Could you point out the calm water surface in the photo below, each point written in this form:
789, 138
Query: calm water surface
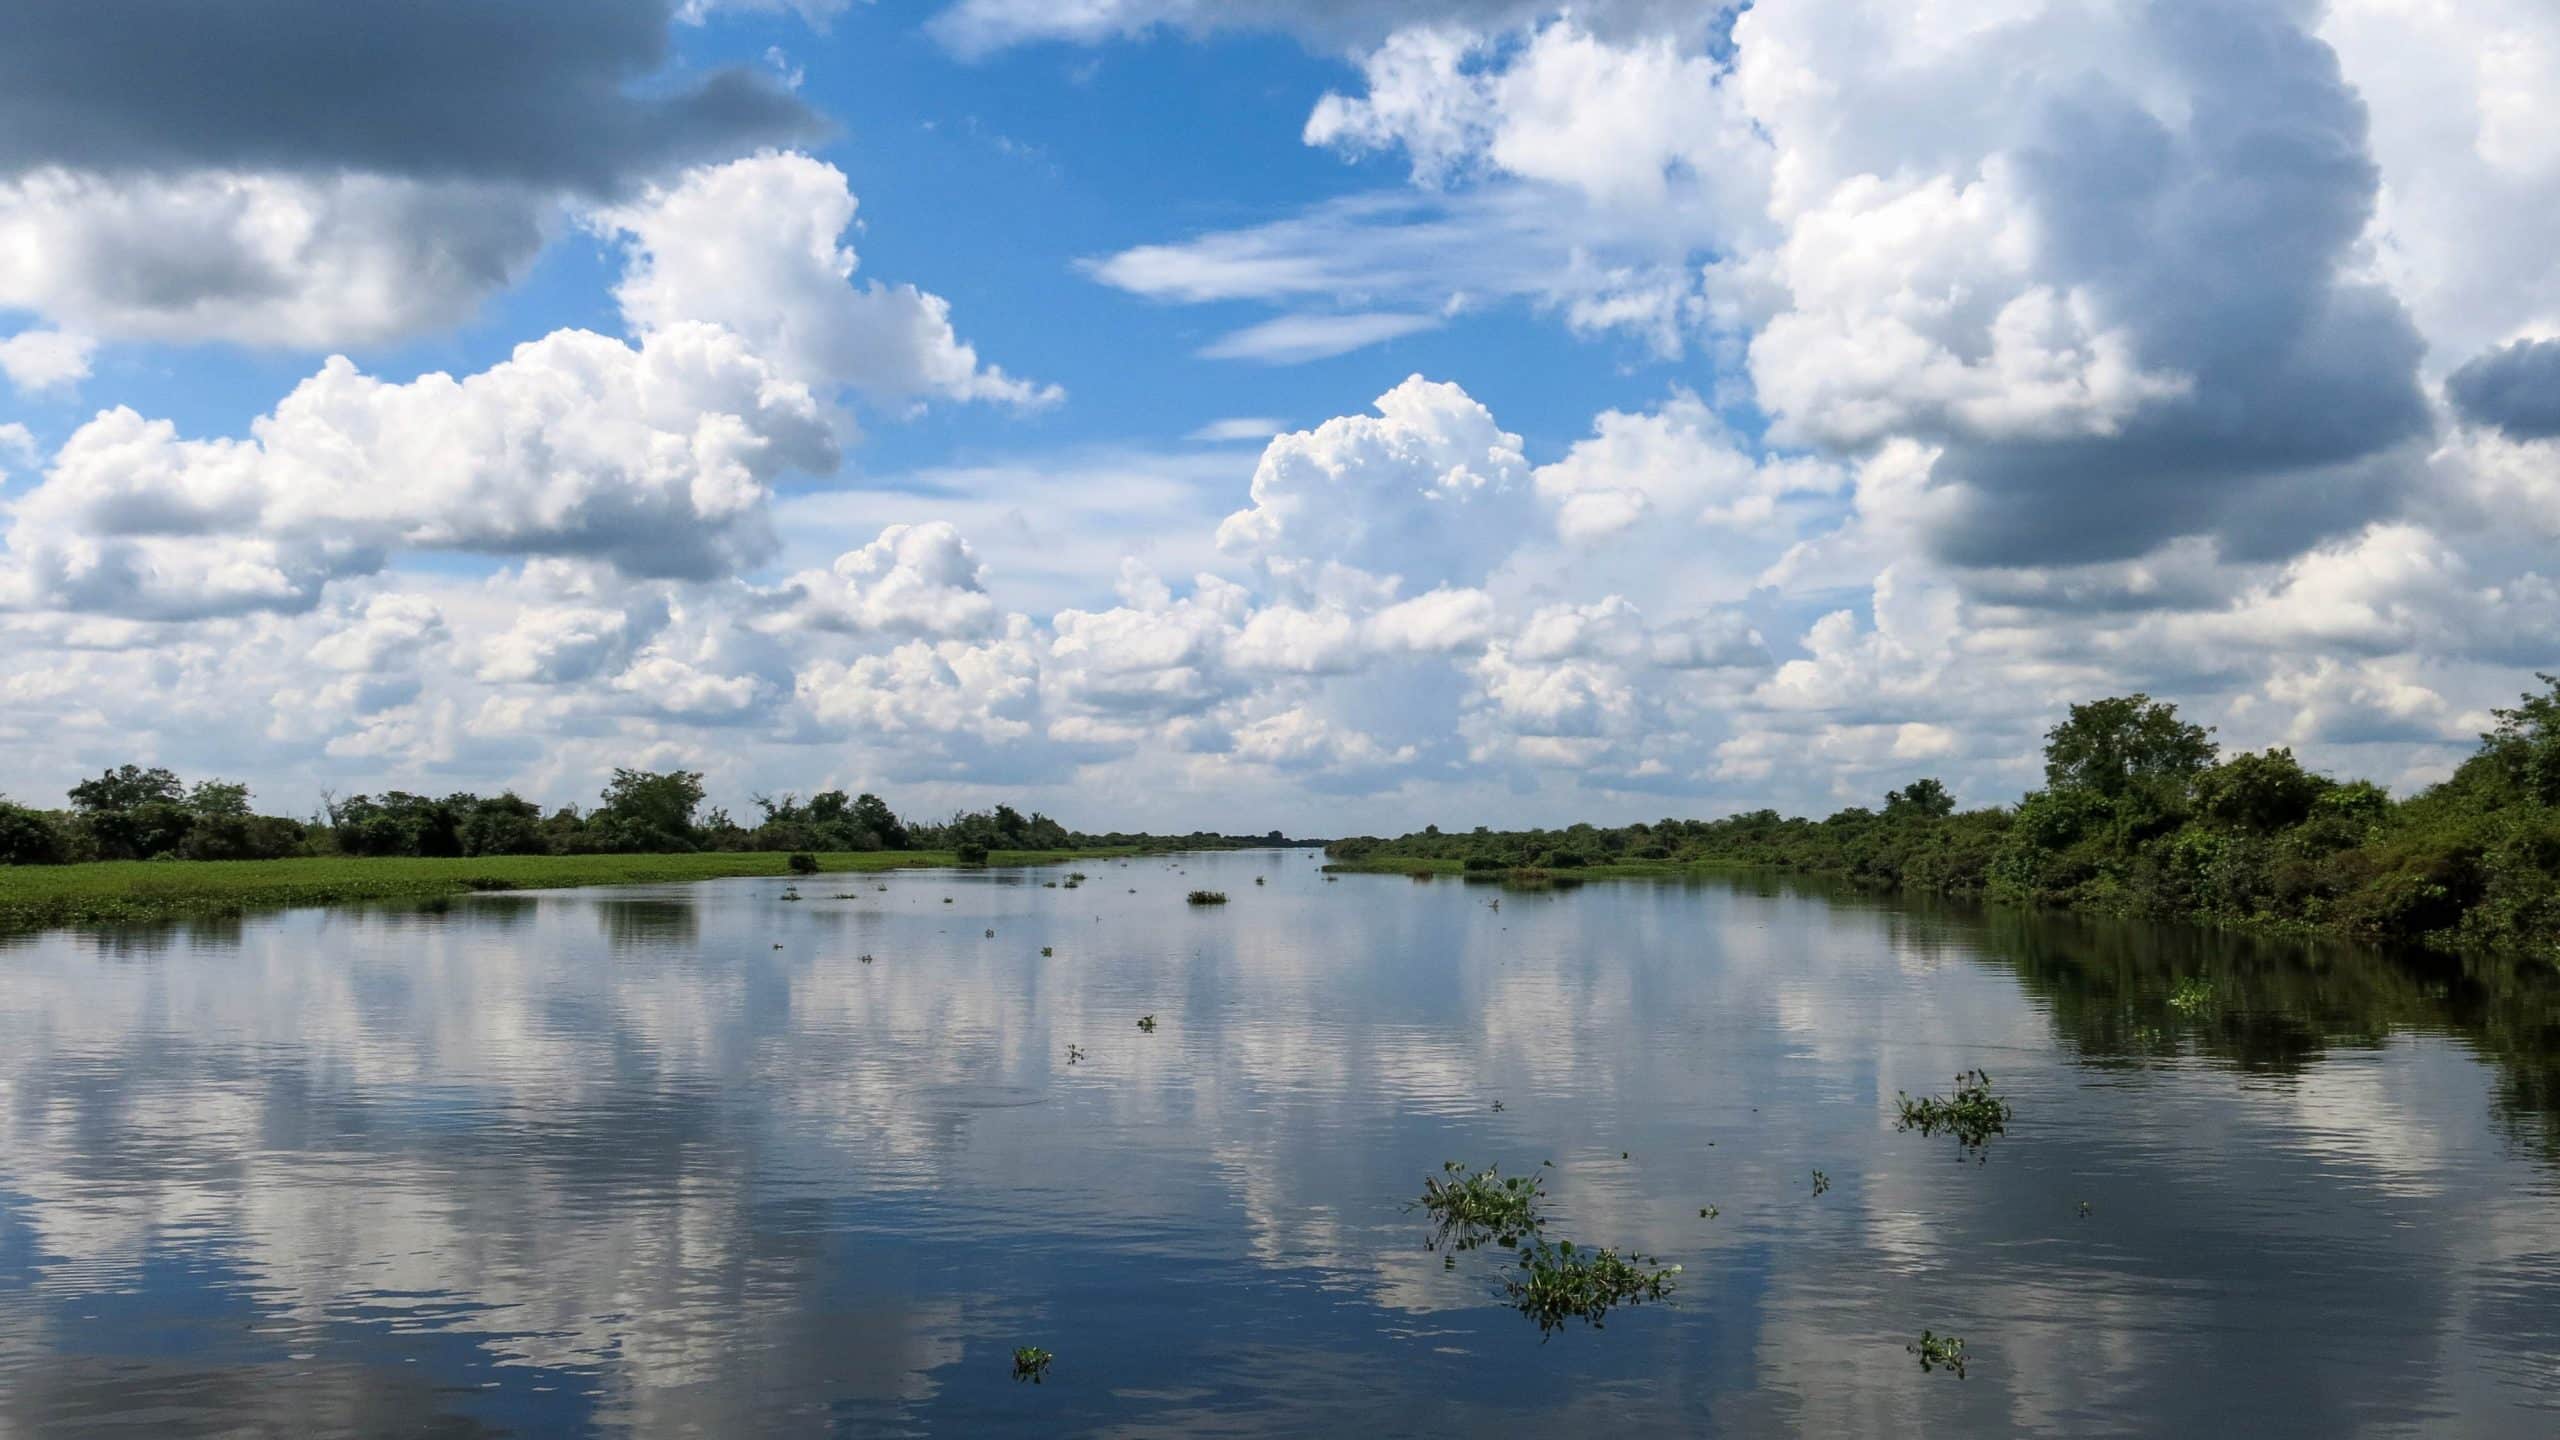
676, 1161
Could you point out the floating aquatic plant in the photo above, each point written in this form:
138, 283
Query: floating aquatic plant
1821, 1182
1469, 1209
1048, 950
1560, 1282
991, 934
1939, 1352
1204, 897
1972, 1114
2192, 996
1031, 1363
1709, 1212
1074, 1053
865, 959
1257, 879
1147, 1023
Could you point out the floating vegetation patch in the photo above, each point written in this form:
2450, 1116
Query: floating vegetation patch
1074, 1053
1972, 1114
1821, 1182
2192, 996
1204, 897
1031, 1363
791, 894
1048, 950
1709, 1212
865, 959
1257, 879
1469, 1209
1559, 1282
1147, 1023
1939, 1352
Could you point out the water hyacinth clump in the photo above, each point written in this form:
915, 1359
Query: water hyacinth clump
2192, 996
1939, 1352
1031, 1363
1469, 1209
1560, 1282
1972, 1114
1147, 1023
1207, 897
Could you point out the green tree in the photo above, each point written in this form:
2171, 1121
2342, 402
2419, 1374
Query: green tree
647, 811
131, 813
2261, 793
1924, 798
28, 837
2124, 743
2526, 743
873, 814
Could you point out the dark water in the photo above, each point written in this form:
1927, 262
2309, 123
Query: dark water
675, 1161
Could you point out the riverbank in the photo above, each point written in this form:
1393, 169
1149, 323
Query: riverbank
37, 897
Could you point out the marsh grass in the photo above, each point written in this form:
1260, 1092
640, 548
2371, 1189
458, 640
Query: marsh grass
1469, 1209
1972, 1114
116, 892
1559, 1282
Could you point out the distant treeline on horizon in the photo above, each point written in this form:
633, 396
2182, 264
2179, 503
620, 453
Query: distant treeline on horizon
2141, 815
134, 812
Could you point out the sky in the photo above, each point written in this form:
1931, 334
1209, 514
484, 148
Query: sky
1309, 414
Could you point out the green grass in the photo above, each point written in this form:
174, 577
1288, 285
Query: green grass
131, 891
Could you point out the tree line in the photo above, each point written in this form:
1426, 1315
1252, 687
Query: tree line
2142, 815
134, 812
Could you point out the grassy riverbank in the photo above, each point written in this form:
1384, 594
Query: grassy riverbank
126, 891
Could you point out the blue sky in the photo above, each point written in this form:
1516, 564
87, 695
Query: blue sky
1634, 409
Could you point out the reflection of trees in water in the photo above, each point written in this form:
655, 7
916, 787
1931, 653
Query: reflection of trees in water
2278, 1007
632, 924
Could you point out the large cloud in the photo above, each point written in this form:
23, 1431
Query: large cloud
310, 173
657, 457
564, 94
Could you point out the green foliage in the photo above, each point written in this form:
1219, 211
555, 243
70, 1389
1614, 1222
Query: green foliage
1939, 1352
1558, 1282
1031, 1363
2123, 744
1972, 1114
1469, 1209
1923, 799
648, 812
29, 837
2138, 819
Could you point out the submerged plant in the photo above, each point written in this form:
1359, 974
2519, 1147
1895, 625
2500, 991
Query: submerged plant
1939, 1352
1973, 1114
1205, 897
1558, 1282
1031, 1363
1470, 1209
